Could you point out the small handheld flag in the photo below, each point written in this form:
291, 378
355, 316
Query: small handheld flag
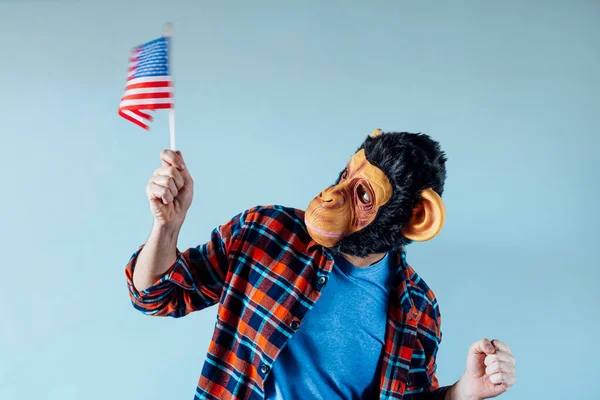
150, 83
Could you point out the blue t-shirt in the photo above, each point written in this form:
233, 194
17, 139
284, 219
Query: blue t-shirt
337, 350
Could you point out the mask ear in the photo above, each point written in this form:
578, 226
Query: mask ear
376, 133
428, 217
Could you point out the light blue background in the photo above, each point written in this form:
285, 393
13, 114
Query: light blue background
272, 99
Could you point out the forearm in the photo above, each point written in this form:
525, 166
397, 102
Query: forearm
158, 254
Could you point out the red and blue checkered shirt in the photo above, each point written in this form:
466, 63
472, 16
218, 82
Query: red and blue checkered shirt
266, 273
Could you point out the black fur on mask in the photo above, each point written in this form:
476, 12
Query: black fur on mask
412, 162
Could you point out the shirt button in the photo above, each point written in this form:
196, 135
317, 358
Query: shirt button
322, 280
295, 325
265, 368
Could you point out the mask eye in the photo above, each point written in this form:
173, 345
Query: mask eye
345, 174
363, 194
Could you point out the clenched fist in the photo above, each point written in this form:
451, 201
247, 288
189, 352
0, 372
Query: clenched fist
490, 371
170, 190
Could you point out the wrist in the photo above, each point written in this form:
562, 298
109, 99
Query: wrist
166, 230
458, 392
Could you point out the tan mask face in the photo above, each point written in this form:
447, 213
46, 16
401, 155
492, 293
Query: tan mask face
350, 205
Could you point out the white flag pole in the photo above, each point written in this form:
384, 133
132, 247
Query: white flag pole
168, 33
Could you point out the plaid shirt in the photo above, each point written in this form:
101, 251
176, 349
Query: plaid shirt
266, 273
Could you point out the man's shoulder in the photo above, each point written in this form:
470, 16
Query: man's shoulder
273, 228
264, 213
275, 218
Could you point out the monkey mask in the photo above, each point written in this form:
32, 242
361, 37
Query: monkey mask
388, 195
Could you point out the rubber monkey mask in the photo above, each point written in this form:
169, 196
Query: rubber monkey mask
388, 195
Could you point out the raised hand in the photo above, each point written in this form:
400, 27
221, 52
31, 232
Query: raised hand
170, 190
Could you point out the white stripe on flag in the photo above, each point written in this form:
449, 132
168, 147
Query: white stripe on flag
168, 89
143, 120
149, 79
127, 103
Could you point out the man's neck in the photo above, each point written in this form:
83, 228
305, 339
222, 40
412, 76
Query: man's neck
364, 262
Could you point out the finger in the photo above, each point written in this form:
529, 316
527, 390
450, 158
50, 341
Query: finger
172, 158
156, 192
499, 356
502, 378
501, 346
483, 346
171, 172
167, 182
500, 366
185, 173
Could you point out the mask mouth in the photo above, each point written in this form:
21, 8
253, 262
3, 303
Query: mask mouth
322, 232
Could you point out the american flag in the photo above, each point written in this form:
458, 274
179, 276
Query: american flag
149, 84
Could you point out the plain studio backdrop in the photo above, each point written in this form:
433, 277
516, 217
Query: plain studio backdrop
272, 99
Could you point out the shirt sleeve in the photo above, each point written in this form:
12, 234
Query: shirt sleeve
194, 281
437, 394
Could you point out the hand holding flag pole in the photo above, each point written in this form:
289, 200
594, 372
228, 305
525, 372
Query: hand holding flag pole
150, 83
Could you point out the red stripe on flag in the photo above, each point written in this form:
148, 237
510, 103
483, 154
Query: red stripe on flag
142, 114
135, 121
149, 85
161, 95
147, 107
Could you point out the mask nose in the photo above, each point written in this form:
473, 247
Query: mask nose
331, 198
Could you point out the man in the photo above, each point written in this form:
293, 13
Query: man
318, 304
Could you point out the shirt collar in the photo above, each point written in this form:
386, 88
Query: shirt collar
403, 281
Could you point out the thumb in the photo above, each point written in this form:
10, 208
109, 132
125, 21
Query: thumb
483, 346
